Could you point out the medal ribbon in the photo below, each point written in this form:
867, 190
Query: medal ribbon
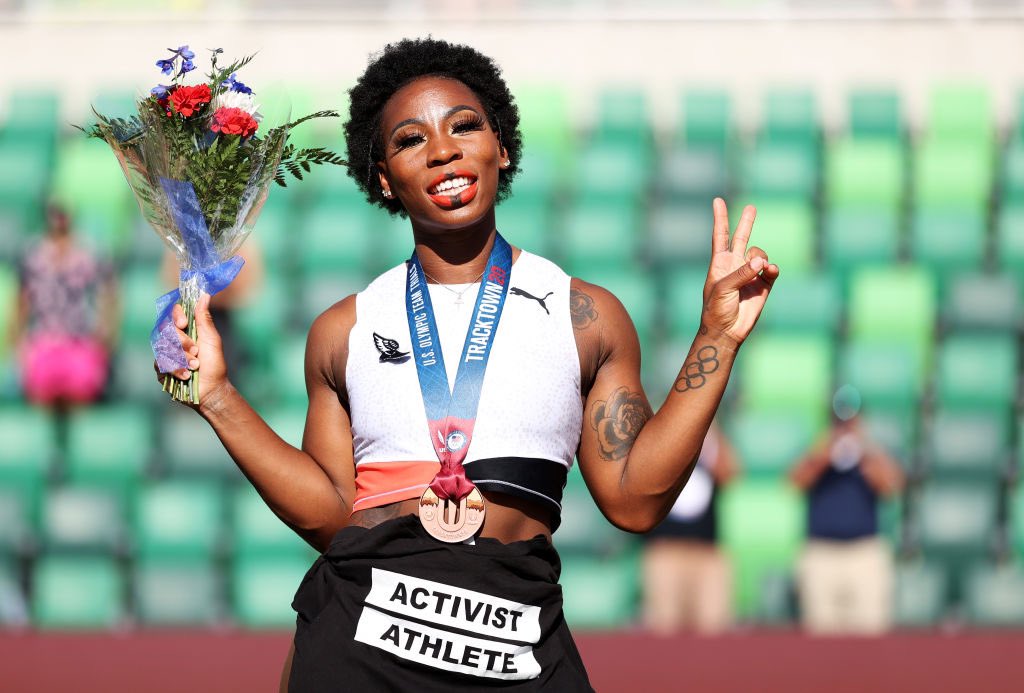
451, 414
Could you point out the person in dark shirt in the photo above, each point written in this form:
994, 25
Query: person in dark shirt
687, 578
845, 575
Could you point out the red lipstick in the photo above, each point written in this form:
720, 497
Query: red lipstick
453, 197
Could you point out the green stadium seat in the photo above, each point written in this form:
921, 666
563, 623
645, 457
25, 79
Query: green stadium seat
77, 593
600, 593
707, 118
955, 175
263, 314
257, 531
139, 288
612, 170
599, 233
791, 115
692, 174
24, 177
191, 450
133, 378
17, 527
289, 364
957, 522
920, 596
90, 182
83, 519
1011, 183
994, 596
788, 373
761, 525
967, 445
322, 290
948, 241
537, 179
786, 231
584, 530
527, 223
31, 110
961, 112
273, 232
779, 171
114, 102
637, 292
875, 113
680, 232
895, 429
684, 300
978, 371
804, 303
983, 302
875, 316
864, 173
394, 240
8, 301
172, 593
109, 446
887, 375
854, 238
770, 443
1015, 509
179, 520
1009, 240
144, 246
337, 235
546, 123
289, 422
262, 589
27, 453
13, 604
623, 116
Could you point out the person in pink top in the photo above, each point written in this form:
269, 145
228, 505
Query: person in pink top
65, 322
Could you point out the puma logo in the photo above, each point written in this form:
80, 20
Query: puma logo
515, 290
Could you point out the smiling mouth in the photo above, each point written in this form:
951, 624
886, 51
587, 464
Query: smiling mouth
453, 189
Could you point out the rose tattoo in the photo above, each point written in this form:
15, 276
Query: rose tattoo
618, 422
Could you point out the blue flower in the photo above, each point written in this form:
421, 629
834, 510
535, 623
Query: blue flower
160, 91
185, 53
234, 85
186, 66
166, 66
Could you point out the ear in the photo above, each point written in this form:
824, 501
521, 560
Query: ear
382, 176
503, 156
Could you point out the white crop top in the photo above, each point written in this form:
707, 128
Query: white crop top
530, 414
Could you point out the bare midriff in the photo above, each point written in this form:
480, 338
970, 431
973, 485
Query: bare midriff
508, 518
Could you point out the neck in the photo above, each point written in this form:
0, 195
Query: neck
455, 256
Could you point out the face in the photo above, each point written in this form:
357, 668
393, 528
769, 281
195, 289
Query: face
441, 157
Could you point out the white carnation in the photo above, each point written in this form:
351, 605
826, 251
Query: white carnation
236, 99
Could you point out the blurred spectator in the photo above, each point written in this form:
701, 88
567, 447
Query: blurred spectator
224, 304
687, 579
66, 320
846, 572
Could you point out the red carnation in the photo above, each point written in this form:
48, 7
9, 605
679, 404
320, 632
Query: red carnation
187, 100
233, 121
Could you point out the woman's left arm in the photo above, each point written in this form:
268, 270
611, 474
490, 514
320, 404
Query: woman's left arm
636, 462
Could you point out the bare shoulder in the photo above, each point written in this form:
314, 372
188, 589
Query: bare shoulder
327, 344
601, 325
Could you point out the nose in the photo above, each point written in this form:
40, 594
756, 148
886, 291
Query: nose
444, 149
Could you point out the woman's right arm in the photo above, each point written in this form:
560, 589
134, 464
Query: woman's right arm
311, 489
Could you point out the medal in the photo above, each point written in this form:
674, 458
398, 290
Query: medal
452, 509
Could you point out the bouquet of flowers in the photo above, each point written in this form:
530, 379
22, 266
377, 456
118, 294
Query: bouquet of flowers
201, 168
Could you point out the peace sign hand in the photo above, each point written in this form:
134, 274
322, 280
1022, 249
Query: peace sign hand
739, 279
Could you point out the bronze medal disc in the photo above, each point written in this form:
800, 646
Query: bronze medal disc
449, 521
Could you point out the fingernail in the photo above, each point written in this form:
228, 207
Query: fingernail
194, 350
193, 364
757, 263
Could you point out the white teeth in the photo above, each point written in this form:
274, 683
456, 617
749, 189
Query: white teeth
454, 183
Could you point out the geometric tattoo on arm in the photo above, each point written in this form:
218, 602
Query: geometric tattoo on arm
694, 374
581, 309
618, 422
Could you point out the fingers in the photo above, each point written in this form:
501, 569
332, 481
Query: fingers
744, 274
743, 229
720, 233
204, 321
178, 316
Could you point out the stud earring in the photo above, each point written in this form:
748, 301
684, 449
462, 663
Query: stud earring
506, 163
387, 194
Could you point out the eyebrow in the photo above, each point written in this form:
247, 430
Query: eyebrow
448, 114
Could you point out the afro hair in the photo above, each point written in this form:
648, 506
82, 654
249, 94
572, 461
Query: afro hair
397, 65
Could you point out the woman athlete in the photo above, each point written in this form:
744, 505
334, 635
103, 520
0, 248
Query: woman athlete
544, 367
